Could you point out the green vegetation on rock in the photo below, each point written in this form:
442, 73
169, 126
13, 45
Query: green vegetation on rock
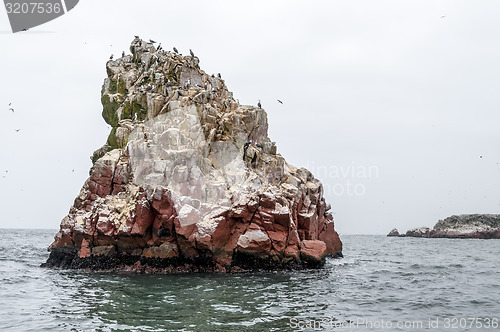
109, 108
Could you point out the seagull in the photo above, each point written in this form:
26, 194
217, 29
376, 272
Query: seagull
191, 52
279, 101
218, 74
10, 104
17, 130
175, 50
259, 104
11, 109
481, 157
159, 47
111, 57
73, 171
152, 41
123, 54
136, 37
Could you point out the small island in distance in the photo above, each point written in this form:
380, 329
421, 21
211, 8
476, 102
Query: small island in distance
464, 226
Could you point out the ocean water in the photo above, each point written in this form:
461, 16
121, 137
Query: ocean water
401, 284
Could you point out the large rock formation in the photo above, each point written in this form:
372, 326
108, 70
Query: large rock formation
476, 226
189, 181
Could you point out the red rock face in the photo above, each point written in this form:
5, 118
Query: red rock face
197, 187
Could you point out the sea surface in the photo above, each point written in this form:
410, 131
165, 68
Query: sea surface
401, 284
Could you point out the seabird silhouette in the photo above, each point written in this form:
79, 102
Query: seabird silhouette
279, 101
152, 41
175, 50
191, 52
10, 104
218, 74
123, 54
111, 57
136, 37
11, 109
17, 130
259, 104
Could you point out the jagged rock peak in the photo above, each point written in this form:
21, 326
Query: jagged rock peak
189, 180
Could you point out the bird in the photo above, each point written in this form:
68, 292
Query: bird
279, 101
11, 109
175, 50
123, 54
73, 171
159, 47
191, 52
17, 130
218, 75
136, 37
481, 157
111, 57
10, 104
152, 41
259, 104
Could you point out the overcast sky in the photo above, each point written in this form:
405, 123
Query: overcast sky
389, 103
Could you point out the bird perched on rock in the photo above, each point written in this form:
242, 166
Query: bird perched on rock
175, 50
111, 57
218, 75
152, 41
259, 104
191, 52
136, 37
279, 101
123, 54
159, 47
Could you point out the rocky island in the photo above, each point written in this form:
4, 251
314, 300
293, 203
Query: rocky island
475, 226
189, 181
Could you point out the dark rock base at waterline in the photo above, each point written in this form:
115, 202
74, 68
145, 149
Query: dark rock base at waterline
65, 259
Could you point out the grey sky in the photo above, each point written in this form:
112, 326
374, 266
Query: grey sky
406, 98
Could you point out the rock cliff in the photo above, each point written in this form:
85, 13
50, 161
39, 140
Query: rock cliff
478, 226
189, 180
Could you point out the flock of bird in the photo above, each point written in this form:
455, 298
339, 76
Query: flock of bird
13, 110
176, 51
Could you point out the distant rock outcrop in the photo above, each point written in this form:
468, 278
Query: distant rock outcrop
394, 232
188, 180
477, 226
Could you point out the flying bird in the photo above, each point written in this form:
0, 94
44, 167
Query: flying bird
11, 109
259, 104
191, 52
175, 50
17, 130
279, 101
10, 104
